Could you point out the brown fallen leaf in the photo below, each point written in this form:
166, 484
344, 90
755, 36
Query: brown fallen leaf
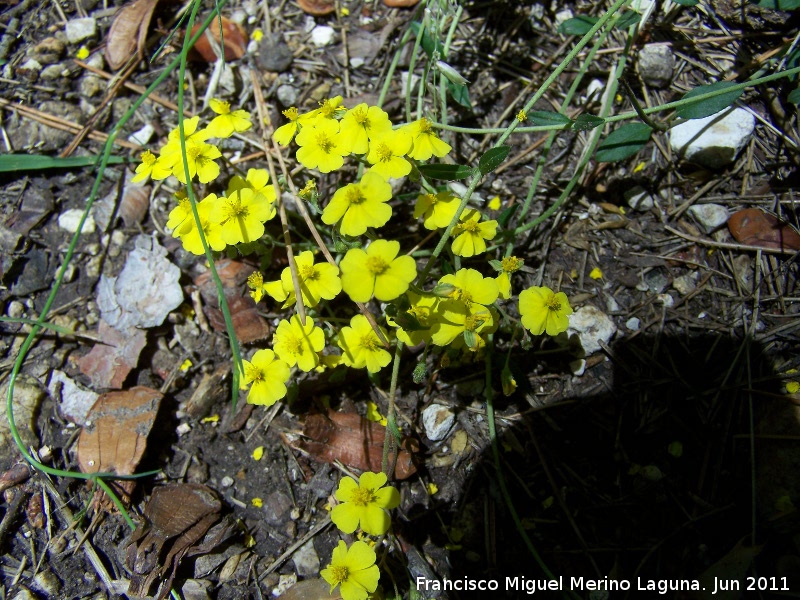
233, 33
400, 3
109, 363
755, 227
128, 32
115, 436
317, 8
353, 441
135, 200
247, 323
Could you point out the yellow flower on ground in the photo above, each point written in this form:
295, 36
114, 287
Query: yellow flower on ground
387, 154
596, 273
362, 347
544, 311
362, 123
82, 53
227, 122
257, 502
458, 323
258, 181
495, 203
377, 272
317, 281
267, 376
242, 216
437, 210
178, 216
470, 234
298, 344
190, 235
510, 264
425, 141
423, 308
364, 502
321, 146
257, 35
471, 286
149, 167
284, 134
200, 159
258, 453
354, 570
360, 205
258, 288
374, 414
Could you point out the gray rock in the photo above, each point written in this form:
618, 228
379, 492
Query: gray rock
287, 95
78, 30
656, 64
70, 219
196, 589
633, 324
323, 35
639, 199
685, 284
276, 508
306, 560
710, 216
592, 326
30, 69
438, 420
48, 51
273, 54
713, 141
91, 85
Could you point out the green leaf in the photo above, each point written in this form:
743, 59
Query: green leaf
785, 5
686, 2
585, 122
492, 158
579, 25
34, 162
794, 96
460, 94
445, 171
628, 19
709, 106
544, 118
623, 142
506, 215
428, 43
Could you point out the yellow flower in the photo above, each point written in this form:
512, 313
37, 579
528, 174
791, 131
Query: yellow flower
362, 347
522, 116
360, 205
82, 53
150, 167
227, 122
257, 502
364, 502
353, 569
298, 344
258, 181
200, 158
321, 146
387, 154
284, 134
470, 235
377, 272
495, 203
258, 453
178, 216
374, 414
596, 273
544, 311
437, 210
425, 141
470, 286
266, 376
456, 318
510, 264
423, 308
317, 281
257, 35
360, 124
242, 216
190, 235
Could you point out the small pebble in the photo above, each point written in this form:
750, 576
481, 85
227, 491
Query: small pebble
143, 136
666, 299
78, 30
274, 54
322, 35
287, 95
306, 560
592, 326
710, 216
16, 309
183, 429
713, 141
633, 324
685, 284
70, 219
438, 420
563, 15
226, 481
639, 199
656, 63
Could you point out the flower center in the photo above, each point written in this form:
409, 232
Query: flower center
325, 143
432, 199
194, 152
363, 496
353, 195
234, 208
511, 264
376, 265
291, 113
308, 272
339, 574
253, 374
424, 125
360, 116
370, 343
327, 109
472, 322
256, 280
224, 108
294, 346
148, 158
552, 304
385, 154
470, 226
463, 295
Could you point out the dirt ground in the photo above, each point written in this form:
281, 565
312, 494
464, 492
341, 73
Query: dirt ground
670, 454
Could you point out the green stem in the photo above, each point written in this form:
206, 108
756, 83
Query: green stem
391, 413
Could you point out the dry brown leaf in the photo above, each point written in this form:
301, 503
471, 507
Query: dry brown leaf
400, 3
755, 227
128, 32
135, 201
317, 8
109, 363
234, 35
353, 441
115, 437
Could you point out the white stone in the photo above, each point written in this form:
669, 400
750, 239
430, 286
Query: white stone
666, 299
656, 63
563, 15
70, 219
78, 30
685, 284
143, 136
287, 94
594, 89
32, 65
710, 216
306, 560
713, 141
578, 367
633, 324
592, 326
438, 420
322, 35
284, 583
639, 199
183, 429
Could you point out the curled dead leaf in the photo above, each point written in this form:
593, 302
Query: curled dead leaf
755, 227
353, 441
317, 8
400, 3
233, 33
134, 202
128, 32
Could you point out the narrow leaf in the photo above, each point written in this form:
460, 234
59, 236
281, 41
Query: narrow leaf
709, 106
506, 215
628, 18
428, 43
579, 25
492, 158
34, 162
686, 2
794, 96
445, 171
544, 118
623, 142
785, 5
460, 94
585, 122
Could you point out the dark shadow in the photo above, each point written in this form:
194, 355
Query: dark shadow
646, 479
